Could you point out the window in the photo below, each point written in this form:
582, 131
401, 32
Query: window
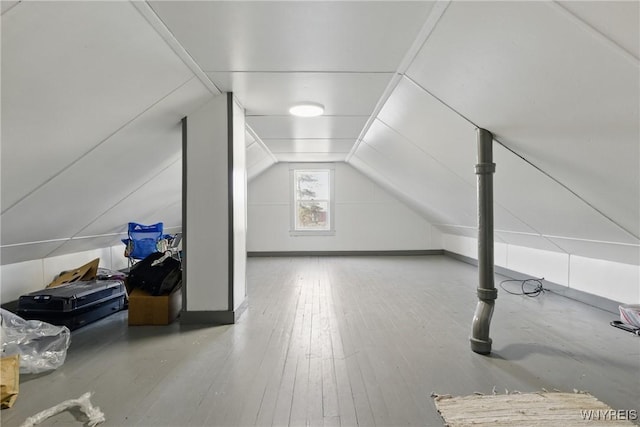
312, 204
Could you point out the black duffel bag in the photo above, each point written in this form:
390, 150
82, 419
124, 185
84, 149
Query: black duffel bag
157, 274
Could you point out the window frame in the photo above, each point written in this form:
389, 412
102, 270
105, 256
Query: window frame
311, 167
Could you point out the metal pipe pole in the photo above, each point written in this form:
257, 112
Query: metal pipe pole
487, 292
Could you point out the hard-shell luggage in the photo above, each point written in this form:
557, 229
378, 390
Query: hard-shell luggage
75, 304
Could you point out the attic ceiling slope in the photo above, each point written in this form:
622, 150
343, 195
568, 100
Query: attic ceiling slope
551, 88
110, 104
80, 71
274, 54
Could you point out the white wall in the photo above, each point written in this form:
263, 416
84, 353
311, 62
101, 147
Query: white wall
239, 206
29, 276
366, 216
207, 213
614, 280
208, 222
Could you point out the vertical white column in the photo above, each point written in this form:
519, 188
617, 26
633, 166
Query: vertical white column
214, 211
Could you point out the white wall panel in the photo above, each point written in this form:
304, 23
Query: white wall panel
433, 127
363, 219
20, 278
26, 252
207, 198
544, 204
500, 254
310, 145
274, 93
74, 246
146, 205
619, 282
553, 266
239, 188
242, 36
289, 127
556, 93
104, 176
259, 167
311, 157
463, 245
102, 63
387, 188
255, 153
377, 165
619, 21
534, 241
421, 175
627, 253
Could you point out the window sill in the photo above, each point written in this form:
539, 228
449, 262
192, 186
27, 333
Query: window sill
297, 233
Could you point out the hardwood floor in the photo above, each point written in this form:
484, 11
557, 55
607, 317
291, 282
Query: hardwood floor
338, 341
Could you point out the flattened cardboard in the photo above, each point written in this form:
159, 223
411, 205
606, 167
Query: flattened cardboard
85, 273
9, 380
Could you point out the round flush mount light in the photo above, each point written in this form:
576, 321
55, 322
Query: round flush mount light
307, 109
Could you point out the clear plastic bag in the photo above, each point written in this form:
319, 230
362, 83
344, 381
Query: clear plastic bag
630, 314
41, 346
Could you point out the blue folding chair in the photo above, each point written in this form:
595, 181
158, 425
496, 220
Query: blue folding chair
142, 241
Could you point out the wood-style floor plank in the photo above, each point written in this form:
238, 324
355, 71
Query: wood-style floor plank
338, 341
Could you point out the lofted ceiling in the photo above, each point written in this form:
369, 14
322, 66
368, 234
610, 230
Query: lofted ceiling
93, 94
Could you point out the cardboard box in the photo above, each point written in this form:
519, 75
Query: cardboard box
146, 309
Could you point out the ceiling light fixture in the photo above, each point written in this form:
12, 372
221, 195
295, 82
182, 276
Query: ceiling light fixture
307, 109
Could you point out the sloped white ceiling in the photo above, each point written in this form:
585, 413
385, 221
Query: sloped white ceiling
92, 99
93, 94
272, 55
558, 85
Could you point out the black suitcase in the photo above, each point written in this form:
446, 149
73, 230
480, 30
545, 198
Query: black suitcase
157, 274
75, 304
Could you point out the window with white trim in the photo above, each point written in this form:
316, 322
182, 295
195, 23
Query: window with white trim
312, 201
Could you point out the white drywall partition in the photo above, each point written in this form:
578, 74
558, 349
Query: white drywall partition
214, 203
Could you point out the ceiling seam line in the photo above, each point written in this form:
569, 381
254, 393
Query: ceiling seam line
115, 204
429, 25
86, 153
298, 72
569, 190
259, 141
172, 42
630, 55
497, 140
548, 236
11, 7
406, 199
